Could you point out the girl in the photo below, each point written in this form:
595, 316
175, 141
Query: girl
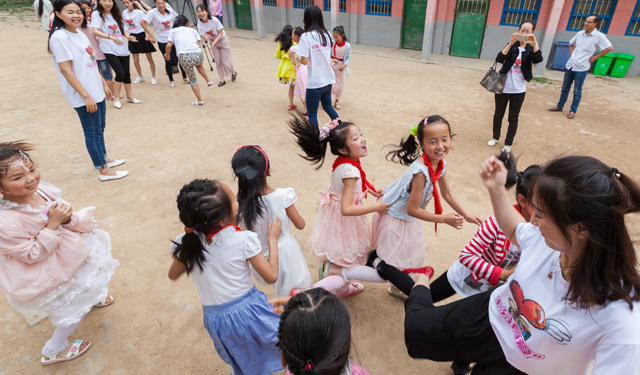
219, 258
51, 258
81, 83
107, 24
132, 17
315, 334
517, 59
572, 299
103, 64
340, 238
260, 204
340, 58
189, 53
286, 73
398, 236
212, 32
300, 87
314, 51
162, 18
44, 11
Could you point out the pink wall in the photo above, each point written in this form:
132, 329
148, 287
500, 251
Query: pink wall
495, 12
543, 15
446, 10
621, 17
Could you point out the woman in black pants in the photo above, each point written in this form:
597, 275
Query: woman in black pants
517, 59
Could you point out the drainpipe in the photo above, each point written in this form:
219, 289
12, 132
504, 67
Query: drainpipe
429, 28
549, 35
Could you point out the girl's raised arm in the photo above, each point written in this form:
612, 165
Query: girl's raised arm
451, 200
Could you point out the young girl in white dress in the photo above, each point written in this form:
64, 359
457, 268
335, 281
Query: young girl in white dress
260, 204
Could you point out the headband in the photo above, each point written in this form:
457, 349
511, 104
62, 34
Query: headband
249, 170
328, 127
414, 129
22, 161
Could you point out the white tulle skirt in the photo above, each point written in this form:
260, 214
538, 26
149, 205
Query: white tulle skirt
67, 303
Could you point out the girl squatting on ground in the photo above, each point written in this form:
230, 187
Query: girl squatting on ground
52, 259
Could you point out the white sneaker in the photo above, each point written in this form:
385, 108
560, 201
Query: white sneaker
172, 84
116, 163
139, 80
506, 149
117, 176
133, 101
154, 81
492, 142
117, 104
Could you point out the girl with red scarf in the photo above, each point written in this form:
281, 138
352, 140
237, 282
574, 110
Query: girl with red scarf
341, 238
398, 237
340, 58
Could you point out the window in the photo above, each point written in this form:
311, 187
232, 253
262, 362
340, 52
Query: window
379, 7
302, 3
343, 5
270, 3
516, 11
583, 8
634, 24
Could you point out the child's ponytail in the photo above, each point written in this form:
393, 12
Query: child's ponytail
203, 205
250, 165
284, 38
313, 142
522, 180
409, 149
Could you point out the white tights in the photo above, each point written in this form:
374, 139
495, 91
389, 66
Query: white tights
337, 283
58, 341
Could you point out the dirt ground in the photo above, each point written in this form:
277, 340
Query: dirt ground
155, 325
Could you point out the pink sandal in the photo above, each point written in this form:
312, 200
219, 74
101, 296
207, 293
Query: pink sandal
354, 288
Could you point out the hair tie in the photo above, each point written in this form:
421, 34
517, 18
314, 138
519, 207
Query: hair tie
249, 170
414, 130
426, 119
328, 127
188, 230
615, 172
309, 368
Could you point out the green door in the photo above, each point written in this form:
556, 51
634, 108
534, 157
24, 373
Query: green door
243, 14
468, 29
413, 17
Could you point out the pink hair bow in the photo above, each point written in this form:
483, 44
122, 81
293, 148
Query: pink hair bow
326, 130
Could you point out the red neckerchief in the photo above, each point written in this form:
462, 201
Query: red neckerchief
333, 55
215, 231
345, 160
435, 176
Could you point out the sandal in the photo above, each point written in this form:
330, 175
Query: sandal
324, 272
222, 83
428, 271
337, 106
354, 288
73, 353
197, 104
210, 84
233, 76
394, 292
304, 113
108, 300
292, 107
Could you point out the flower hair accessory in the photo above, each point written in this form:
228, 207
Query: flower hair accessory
326, 130
22, 161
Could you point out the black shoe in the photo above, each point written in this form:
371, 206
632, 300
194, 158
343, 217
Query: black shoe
222, 83
233, 76
461, 368
373, 254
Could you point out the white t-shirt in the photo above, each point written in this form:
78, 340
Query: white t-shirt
76, 47
541, 334
185, 40
162, 24
211, 28
319, 70
585, 46
110, 27
132, 20
226, 271
515, 83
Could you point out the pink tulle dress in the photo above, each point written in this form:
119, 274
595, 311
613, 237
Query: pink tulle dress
341, 240
300, 89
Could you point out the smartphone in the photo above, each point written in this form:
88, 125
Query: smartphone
521, 38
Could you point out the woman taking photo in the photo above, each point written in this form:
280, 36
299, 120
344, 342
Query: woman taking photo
107, 24
132, 17
212, 31
314, 51
81, 83
517, 59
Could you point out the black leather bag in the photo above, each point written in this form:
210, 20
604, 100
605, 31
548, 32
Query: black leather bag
493, 80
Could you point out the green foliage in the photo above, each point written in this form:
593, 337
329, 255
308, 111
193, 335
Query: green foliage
541, 80
15, 6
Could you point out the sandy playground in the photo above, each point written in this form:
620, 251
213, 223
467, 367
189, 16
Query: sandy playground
155, 325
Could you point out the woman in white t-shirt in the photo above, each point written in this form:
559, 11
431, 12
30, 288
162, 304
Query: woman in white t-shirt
162, 18
314, 51
211, 30
132, 16
187, 42
107, 24
81, 82
573, 302
516, 59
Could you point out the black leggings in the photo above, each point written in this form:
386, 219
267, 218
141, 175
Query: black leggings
120, 65
514, 113
440, 289
168, 65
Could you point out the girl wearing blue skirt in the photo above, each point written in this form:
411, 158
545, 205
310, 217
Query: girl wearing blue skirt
219, 256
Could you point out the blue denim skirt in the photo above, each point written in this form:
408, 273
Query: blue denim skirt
245, 332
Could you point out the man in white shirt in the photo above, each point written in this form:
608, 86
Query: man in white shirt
582, 47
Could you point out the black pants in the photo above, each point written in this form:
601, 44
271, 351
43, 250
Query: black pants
168, 65
120, 65
440, 288
515, 104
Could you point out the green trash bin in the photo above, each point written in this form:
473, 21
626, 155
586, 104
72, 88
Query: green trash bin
603, 64
620, 67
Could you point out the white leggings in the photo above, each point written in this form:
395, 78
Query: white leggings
58, 341
337, 283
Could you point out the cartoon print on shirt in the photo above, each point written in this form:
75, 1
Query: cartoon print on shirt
517, 66
115, 30
90, 52
166, 25
130, 24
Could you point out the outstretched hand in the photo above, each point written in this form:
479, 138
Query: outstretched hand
278, 304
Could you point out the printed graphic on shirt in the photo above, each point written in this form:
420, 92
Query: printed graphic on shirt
210, 32
525, 313
166, 26
131, 24
517, 66
115, 30
89, 50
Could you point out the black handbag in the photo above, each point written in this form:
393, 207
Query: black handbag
493, 80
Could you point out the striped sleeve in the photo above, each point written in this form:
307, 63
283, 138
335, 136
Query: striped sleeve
479, 255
